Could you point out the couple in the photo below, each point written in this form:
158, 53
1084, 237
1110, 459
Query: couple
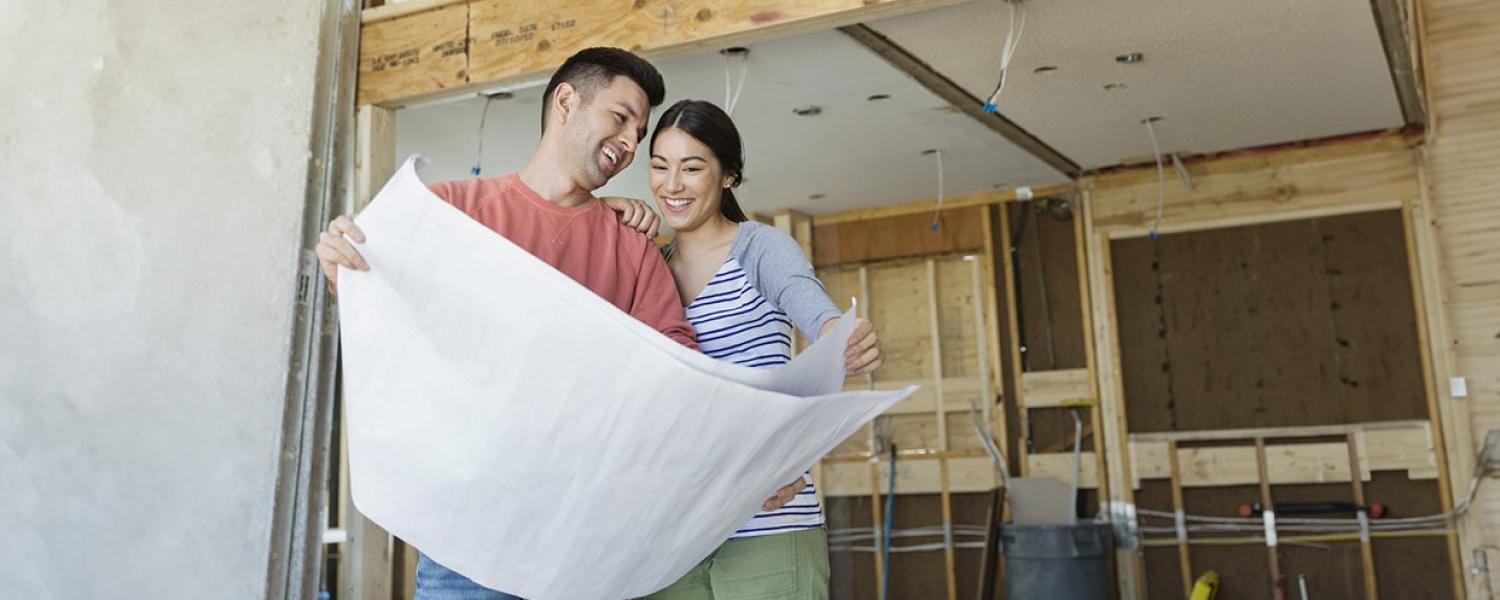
728, 287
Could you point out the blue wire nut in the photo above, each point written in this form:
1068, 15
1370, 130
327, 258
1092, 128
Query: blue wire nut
933, 226
990, 107
1153, 234
475, 170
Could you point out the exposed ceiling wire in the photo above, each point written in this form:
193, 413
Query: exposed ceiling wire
1161, 176
937, 213
732, 98
1007, 51
479, 144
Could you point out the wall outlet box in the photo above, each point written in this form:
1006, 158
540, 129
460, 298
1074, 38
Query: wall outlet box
1458, 387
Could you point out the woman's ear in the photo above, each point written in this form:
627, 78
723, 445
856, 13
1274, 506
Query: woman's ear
728, 181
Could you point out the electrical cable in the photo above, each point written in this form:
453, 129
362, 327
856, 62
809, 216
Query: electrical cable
1007, 52
937, 213
890, 501
1161, 178
479, 146
733, 99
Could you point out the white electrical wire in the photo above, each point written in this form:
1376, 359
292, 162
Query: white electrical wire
1007, 51
938, 212
479, 146
1208, 527
733, 99
1077, 460
1161, 177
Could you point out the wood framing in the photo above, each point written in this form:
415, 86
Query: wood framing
1357, 488
1403, 446
1096, 416
1184, 554
1062, 388
1013, 349
914, 475
1111, 430
1459, 245
1434, 410
443, 49
1333, 177
995, 198
365, 561
1268, 505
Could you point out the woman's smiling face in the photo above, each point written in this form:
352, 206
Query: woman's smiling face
686, 179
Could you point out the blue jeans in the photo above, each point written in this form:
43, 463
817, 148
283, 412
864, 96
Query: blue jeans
437, 582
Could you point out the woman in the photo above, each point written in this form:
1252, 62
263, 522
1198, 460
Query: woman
744, 286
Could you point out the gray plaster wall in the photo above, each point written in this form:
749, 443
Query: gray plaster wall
152, 165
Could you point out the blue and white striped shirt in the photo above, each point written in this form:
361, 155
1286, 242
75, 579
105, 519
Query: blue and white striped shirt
737, 322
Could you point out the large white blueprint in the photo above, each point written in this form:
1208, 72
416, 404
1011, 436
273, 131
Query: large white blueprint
524, 432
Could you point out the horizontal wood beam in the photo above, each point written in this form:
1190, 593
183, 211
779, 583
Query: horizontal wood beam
1277, 432
968, 474
1063, 388
1397, 446
436, 49
945, 88
1408, 450
928, 205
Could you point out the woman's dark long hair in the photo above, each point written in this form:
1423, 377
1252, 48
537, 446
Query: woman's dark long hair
712, 126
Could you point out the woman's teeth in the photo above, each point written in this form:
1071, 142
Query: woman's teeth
678, 202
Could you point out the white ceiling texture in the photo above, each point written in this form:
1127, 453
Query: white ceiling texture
1221, 75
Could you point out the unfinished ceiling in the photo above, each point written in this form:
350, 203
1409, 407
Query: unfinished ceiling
855, 153
1222, 75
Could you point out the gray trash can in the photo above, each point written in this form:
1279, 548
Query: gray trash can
1047, 562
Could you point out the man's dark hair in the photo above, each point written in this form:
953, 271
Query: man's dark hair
592, 69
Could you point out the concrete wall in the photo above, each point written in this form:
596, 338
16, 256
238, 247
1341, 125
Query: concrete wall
152, 166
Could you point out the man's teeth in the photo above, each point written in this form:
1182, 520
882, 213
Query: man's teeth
678, 202
611, 156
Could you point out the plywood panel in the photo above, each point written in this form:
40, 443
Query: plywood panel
513, 40
1293, 323
898, 236
414, 54
898, 306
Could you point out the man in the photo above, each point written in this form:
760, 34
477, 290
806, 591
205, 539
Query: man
594, 113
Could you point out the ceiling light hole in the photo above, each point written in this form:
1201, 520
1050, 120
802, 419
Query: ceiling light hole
1114, 87
817, 196
878, 97
735, 51
1044, 69
811, 110
1130, 58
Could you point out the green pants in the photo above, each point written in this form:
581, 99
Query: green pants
791, 565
